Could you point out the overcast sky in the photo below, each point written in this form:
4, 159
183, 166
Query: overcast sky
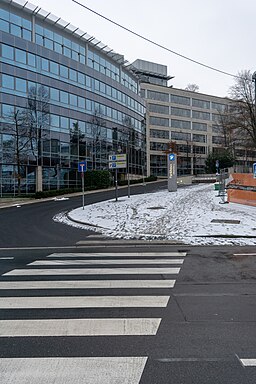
218, 33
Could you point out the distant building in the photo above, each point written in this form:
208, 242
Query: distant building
65, 97
190, 119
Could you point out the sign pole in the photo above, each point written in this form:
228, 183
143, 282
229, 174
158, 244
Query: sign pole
116, 184
83, 188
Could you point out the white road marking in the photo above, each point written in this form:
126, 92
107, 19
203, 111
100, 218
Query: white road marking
79, 327
244, 254
92, 271
248, 362
79, 370
81, 284
6, 258
105, 262
107, 254
83, 302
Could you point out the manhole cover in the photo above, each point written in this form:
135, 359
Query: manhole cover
225, 221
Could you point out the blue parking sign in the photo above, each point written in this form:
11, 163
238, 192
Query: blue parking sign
254, 170
82, 166
171, 156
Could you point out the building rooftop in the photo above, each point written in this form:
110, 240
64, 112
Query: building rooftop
69, 28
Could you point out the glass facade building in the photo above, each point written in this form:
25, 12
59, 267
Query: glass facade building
64, 98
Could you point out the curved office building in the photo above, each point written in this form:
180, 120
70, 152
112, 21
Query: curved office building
64, 98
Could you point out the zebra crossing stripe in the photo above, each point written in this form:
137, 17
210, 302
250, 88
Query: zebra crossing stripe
92, 271
104, 262
124, 254
79, 327
89, 370
248, 362
83, 284
83, 302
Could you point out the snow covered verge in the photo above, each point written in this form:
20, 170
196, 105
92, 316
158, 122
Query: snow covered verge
185, 215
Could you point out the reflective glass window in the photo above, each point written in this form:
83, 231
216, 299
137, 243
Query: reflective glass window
31, 60
26, 34
63, 71
58, 38
5, 15
73, 100
15, 30
82, 59
73, 75
58, 48
74, 55
64, 123
88, 82
64, 97
20, 56
7, 52
15, 19
48, 43
21, 85
26, 24
81, 78
39, 40
7, 81
55, 94
45, 65
81, 102
54, 68
4, 26
55, 120
67, 52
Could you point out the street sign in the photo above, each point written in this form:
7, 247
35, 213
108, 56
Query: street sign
82, 166
120, 157
172, 172
117, 164
254, 170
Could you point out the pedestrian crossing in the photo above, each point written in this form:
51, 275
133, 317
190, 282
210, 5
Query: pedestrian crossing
101, 284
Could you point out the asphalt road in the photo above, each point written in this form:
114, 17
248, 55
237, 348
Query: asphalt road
31, 225
148, 323
206, 330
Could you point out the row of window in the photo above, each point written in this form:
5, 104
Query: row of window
59, 71
176, 99
61, 123
183, 124
23, 28
15, 25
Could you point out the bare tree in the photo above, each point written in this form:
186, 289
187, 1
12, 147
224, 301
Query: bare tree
242, 115
19, 131
97, 123
192, 87
38, 117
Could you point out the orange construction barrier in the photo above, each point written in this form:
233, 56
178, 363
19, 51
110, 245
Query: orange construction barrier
242, 189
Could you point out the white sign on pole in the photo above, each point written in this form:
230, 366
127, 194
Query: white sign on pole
117, 164
120, 157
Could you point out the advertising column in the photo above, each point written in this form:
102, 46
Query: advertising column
172, 172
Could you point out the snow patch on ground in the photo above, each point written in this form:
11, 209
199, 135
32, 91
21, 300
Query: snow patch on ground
184, 215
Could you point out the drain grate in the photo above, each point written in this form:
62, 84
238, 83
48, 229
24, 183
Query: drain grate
156, 208
225, 221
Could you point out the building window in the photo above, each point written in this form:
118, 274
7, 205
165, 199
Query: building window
180, 99
180, 112
180, 124
201, 103
199, 138
159, 121
199, 126
158, 133
201, 115
180, 136
161, 96
163, 109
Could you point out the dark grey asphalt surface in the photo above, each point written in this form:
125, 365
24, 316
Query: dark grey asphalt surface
209, 323
32, 224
